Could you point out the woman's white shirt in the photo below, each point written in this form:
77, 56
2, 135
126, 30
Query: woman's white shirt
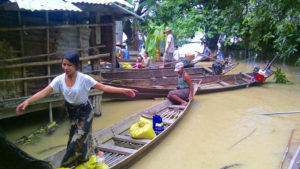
79, 92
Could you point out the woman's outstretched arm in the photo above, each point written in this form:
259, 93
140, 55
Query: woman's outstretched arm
111, 89
38, 96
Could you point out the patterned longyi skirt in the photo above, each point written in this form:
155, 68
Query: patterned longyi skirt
80, 143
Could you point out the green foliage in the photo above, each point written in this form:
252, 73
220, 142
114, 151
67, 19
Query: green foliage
259, 25
280, 77
298, 62
154, 40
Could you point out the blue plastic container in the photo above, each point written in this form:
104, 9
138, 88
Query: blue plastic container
158, 125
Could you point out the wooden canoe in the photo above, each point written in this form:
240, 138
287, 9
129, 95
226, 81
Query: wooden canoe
161, 73
119, 148
295, 162
159, 87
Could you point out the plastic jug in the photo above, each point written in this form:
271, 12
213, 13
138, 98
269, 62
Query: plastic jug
100, 160
158, 125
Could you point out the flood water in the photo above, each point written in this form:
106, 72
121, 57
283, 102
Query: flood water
220, 129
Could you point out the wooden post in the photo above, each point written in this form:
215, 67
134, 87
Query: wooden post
48, 46
97, 100
80, 45
50, 112
96, 63
22, 52
114, 56
48, 59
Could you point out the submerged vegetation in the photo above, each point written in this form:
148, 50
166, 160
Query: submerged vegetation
34, 137
264, 26
280, 77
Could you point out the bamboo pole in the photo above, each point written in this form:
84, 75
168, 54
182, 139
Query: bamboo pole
80, 45
114, 55
27, 28
52, 62
278, 113
39, 77
22, 52
48, 66
48, 54
48, 46
242, 139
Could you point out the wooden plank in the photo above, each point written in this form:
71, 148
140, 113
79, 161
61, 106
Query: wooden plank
245, 75
116, 149
180, 107
48, 54
24, 28
207, 69
149, 114
158, 86
43, 77
168, 122
52, 62
130, 139
245, 80
224, 83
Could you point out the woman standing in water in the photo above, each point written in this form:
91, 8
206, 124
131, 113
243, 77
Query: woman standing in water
75, 87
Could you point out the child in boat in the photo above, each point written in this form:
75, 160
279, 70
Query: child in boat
146, 60
138, 64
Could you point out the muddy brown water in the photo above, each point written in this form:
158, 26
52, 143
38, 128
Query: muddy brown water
210, 136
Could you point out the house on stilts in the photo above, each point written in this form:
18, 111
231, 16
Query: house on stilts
35, 34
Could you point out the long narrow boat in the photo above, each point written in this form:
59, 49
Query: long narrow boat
119, 148
161, 73
157, 65
159, 87
295, 162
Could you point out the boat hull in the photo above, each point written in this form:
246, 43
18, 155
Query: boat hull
160, 87
113, 140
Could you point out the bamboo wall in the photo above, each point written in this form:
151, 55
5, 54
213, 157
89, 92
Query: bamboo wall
32, 43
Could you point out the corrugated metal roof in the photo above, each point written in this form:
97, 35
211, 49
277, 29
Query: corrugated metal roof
46, 5
127, 11
104, 2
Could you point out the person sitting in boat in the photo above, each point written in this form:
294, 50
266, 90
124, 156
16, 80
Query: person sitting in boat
75, 87
146, 60
187, 59
219, 65
125, 54
138, 64
185, 89
206, 50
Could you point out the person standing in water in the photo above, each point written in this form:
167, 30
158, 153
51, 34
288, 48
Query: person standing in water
75, 87
185, 88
